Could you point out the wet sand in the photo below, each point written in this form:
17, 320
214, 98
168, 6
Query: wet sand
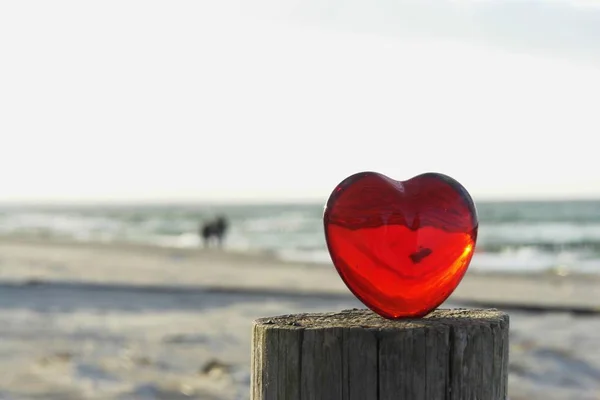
151, 266
106, 321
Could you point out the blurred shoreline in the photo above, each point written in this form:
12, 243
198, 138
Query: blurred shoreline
267, 257
561, 237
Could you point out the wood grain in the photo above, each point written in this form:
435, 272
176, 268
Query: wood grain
358, 355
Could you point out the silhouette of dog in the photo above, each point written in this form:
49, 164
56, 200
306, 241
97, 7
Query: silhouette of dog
216, 228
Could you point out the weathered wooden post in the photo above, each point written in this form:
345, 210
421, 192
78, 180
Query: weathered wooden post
358, 355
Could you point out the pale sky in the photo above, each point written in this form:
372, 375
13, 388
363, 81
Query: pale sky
187, 100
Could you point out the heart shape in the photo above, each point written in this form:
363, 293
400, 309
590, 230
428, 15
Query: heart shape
401, 247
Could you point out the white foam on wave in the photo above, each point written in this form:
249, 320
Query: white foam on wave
283, 222
184, 240
531, 259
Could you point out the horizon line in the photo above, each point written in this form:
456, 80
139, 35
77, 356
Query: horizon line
257, 202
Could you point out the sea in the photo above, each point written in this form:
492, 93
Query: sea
560, 237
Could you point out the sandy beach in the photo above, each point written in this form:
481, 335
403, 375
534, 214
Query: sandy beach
115, 321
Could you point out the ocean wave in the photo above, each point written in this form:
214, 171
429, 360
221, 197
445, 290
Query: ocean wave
545, 231
510, 237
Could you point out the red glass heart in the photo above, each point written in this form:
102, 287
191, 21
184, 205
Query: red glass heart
401, 247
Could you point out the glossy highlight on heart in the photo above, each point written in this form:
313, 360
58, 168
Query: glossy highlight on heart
401, 247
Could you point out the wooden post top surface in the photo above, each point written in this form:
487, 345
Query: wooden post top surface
367, 319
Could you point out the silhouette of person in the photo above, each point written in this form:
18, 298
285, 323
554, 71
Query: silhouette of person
217, 228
